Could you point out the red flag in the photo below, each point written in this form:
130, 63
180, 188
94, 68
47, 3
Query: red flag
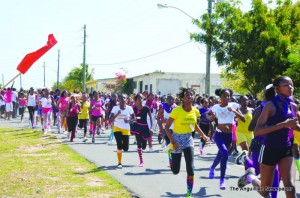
30, 58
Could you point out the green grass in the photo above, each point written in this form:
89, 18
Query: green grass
36, 165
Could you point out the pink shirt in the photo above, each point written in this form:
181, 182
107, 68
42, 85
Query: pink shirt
22, 102
64, 101
8, 96
96, 106
74, 110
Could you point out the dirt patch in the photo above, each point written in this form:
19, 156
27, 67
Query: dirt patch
95, 182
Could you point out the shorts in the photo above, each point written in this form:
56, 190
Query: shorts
244, 137
123, 131
2, 107
297, 137
255, 144
39, 111
183, 141
46, 110
95, 118
9, 107
271, 156
21, 110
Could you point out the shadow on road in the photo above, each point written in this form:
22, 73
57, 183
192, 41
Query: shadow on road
200, 193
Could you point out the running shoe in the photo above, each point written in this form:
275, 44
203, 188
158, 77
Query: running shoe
98, 130
201, 152
222, 184
85, 139
93, 139
141, 164
240, 159
151, 150
120, 166
243, 180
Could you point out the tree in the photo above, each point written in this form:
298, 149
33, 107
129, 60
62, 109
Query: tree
255, 44
74, 79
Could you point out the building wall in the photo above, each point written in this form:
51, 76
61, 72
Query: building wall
169, 83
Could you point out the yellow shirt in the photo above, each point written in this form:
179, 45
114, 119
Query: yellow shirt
184, 122
84, 111
243, 126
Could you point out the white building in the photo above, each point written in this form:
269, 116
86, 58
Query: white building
165, 83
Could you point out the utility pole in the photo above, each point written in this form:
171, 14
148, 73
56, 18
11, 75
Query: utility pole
2, 80
57, 69
20, 81
84, 66
208, 53
44, 75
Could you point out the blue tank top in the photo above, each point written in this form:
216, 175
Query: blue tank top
279, 138
203, 113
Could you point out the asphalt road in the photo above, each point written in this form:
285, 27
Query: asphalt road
155, 179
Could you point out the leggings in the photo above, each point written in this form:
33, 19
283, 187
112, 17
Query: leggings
31, 110
122, 141
205, 129
141, 143
189, 161
223, 141
47, 119
83, 123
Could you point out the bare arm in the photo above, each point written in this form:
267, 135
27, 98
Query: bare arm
253, 122
150, 116
261, 127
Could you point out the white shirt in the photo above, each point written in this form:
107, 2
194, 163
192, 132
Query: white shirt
125, 114
31, 100
223, 114
46, 102
14, 96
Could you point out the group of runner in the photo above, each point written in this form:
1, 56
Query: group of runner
268, 134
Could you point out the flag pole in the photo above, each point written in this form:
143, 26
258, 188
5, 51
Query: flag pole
12, 80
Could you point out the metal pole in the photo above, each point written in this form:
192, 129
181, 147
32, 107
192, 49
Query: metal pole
84, 66
44, 75
20, 81
57, 69
208, 54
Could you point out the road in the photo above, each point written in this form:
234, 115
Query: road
155, 179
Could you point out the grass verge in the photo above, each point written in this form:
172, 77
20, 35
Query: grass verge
33, 164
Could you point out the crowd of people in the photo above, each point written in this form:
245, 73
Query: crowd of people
267, 131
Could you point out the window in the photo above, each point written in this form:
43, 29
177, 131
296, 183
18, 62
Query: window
146, 87
141, 87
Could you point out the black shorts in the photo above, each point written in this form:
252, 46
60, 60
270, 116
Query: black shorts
271, 156
95, 118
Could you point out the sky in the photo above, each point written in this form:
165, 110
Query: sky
118, 31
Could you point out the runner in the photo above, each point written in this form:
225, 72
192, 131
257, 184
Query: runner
184, 118
46, 103
73, 110
31, 105
275, 121
84, 115
225, 113
62, 105
121, 115
22, 105
204, 122
140, 127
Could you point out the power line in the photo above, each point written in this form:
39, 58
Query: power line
136, 59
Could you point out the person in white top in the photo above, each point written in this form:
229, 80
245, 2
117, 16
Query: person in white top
47, 101
31, 105
14, 101
225, 113
122, 115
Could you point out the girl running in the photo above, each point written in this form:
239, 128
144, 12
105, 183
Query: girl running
46, 103
31, 105
96, 109
225, 112
72, 117
22, 105
62, 105
204, 122
278, 116
84, 115
140, 127
121, 115
184, 118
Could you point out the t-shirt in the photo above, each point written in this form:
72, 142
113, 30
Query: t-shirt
84, 111
64, 102
22, 102
223, 114
46, 102
243, 126
125, 114
97, 107
73, 110
184, 122
8, 96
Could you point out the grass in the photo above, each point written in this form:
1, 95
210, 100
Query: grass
36, 165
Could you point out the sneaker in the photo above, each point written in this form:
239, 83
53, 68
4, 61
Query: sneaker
201, 152
243, 181
93, 139
222, 184
211, 173
241, 157
141, 164
151, 150
234, 153
110, 142
120, 166
98, 131
85, 139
